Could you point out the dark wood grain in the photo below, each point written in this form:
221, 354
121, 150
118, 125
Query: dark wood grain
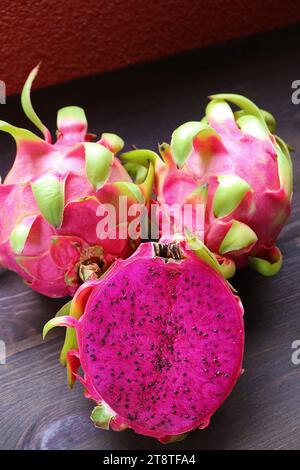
144, 104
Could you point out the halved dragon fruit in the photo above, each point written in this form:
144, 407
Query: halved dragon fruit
160, 341
51, 200
240, 172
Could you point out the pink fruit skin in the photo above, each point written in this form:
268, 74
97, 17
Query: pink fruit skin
160, 343
38, 263
272, 205
49, 259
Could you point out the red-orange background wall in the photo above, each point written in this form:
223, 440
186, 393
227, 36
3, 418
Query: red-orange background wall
75, 38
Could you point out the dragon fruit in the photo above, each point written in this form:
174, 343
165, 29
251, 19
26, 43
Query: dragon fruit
241, 173
51, 199
160, 340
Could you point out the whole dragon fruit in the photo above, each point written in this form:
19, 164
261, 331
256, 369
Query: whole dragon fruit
51, 200
159, 339
241, 173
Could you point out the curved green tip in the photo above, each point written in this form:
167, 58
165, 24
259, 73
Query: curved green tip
285, 148
18, 133
201, 251
268, 117
58, 321
70, 376
285, 166
130, 190
253, 126
166, 153
49, 193
99, 161
137, 172
229, 194
140, 157
69, 343
244, 103
267, 267
70, 338
18, 236
227, 267
239, 236
64, 311
182, 140
147, 186
71, 116
269, 120
198, 195
219, 110
28, 108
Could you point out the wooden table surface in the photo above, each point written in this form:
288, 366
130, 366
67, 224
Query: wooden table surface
144, 104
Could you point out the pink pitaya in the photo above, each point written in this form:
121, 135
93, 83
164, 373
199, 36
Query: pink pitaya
50, 200
239, 170
160, 341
